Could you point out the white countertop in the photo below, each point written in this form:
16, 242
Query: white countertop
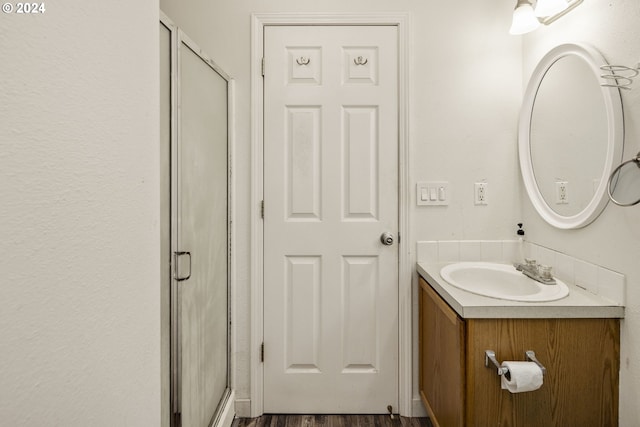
578, 304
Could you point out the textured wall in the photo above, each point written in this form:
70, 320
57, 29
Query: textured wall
79, 179
613, 240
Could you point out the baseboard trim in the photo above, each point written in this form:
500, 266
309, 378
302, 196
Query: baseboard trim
417, 408
228, 412
243, 408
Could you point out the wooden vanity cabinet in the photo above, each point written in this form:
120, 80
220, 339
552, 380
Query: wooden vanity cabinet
582, 358
442, 359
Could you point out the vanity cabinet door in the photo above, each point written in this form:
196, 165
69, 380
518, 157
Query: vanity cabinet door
580, 387
442, 361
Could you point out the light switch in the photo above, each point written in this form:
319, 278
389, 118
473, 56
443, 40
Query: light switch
432, 193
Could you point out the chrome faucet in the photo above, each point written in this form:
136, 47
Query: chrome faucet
539, 273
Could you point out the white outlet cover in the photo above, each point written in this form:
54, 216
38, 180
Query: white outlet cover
480, 195
562, 192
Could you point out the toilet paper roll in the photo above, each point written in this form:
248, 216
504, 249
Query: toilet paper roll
522, 376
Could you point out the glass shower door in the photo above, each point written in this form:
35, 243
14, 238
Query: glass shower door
201, 251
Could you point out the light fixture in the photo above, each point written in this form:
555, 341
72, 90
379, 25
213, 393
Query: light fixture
527, 18
545, 8
524, 18
571, 4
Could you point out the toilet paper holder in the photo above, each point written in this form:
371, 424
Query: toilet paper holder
490, 356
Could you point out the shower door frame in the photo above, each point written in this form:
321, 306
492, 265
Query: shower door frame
225, 412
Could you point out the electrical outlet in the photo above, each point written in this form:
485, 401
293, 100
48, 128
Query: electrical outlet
562, 192
480, 193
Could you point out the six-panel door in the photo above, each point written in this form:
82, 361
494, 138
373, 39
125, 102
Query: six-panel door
331, 191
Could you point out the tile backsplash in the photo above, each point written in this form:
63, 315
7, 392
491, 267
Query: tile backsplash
506, 251
593, 278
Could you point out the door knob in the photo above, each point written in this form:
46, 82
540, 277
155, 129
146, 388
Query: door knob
387, 238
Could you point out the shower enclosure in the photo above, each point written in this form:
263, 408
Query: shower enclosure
195, 101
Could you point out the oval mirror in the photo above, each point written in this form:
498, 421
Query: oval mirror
570, 136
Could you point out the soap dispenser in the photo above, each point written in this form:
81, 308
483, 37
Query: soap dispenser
520, 233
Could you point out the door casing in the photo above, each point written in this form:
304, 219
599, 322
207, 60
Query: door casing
259, 21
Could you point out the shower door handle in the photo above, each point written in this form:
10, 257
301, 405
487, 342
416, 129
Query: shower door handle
176, 273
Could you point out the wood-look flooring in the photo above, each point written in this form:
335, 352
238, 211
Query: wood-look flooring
331, 421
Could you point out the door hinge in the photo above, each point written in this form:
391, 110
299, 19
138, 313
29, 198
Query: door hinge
398, 238
262, 67
262, 352
262, 209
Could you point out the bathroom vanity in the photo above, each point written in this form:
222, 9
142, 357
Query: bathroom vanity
576, 338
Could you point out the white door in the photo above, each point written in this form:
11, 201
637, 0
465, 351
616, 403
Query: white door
331, 191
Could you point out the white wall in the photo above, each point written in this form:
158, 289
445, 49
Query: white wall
79, 211
466, 93
613, 240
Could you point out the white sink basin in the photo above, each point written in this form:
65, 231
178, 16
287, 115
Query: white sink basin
500, 281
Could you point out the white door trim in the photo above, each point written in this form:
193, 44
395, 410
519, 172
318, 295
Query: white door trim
258, 22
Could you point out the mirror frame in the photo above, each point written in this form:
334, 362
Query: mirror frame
615, 137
